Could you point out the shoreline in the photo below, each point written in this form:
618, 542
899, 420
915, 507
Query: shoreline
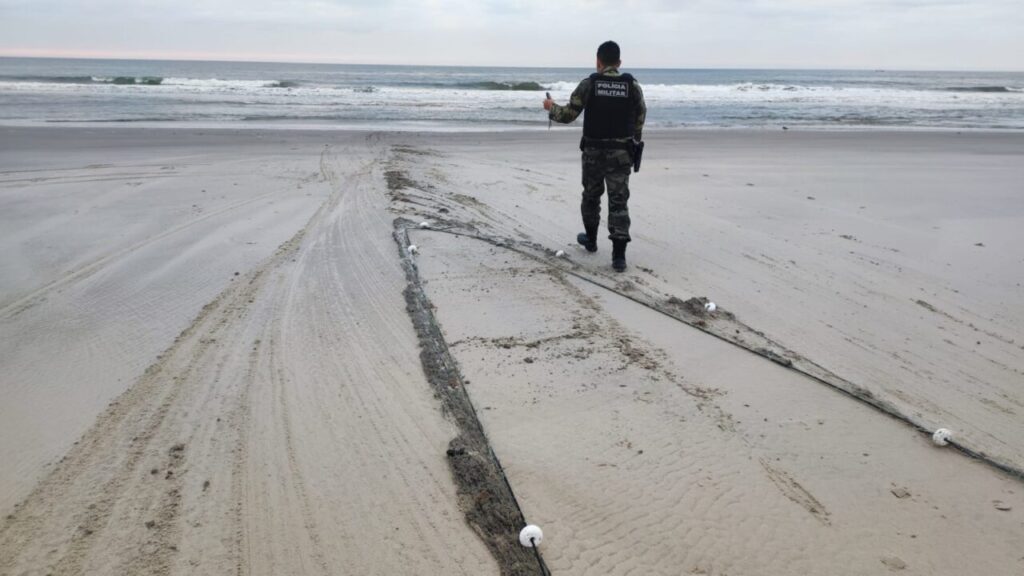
270, 127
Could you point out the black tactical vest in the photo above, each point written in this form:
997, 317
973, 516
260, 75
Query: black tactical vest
610, 111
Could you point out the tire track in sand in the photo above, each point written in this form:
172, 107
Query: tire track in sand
358, 459
132, 447
288, 429
121, 458
77, 274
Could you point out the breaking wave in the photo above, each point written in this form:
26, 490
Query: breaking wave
988, 89
214, 83
59, 79
121, 80
130, 80
155, 81
506, 85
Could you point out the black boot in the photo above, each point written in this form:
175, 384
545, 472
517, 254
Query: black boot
619, 255
588, 240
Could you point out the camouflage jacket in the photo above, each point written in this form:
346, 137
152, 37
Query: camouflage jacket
578, 103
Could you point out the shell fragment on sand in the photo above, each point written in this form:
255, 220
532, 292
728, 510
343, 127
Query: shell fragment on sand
942, 436
560, 254
413, 249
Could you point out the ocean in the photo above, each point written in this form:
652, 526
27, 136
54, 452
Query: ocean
48, 91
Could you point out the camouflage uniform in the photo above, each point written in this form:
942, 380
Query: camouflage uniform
604, 166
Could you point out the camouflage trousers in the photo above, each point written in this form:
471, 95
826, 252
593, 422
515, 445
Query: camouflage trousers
611, 167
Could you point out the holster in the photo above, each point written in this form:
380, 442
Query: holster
638, 155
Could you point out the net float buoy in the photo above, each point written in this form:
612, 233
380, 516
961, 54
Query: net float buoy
710, 307
531, 536
424, 225
942, 436
560, 254
413, 249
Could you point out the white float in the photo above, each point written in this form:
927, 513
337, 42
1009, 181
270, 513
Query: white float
560, 254
424, 225
942, 437
413, 249
531, 536
710, 307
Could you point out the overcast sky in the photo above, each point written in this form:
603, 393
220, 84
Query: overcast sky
890, 34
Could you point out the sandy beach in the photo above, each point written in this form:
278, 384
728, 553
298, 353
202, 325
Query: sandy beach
218, 354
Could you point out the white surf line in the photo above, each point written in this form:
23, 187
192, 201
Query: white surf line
868, 399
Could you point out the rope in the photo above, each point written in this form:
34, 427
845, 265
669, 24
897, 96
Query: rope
1010, 470
540, 561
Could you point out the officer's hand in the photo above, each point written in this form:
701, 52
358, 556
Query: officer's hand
548, 103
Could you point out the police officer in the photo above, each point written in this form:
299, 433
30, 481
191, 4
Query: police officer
613, 121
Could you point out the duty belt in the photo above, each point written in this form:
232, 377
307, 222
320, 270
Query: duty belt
605, 144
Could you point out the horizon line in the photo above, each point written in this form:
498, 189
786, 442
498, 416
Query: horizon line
339, 63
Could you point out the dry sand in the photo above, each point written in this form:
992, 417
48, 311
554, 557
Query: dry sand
162, 414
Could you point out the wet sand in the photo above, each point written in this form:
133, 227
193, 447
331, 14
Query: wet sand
164, 414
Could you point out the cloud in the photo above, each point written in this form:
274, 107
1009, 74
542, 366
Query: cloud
736, 33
